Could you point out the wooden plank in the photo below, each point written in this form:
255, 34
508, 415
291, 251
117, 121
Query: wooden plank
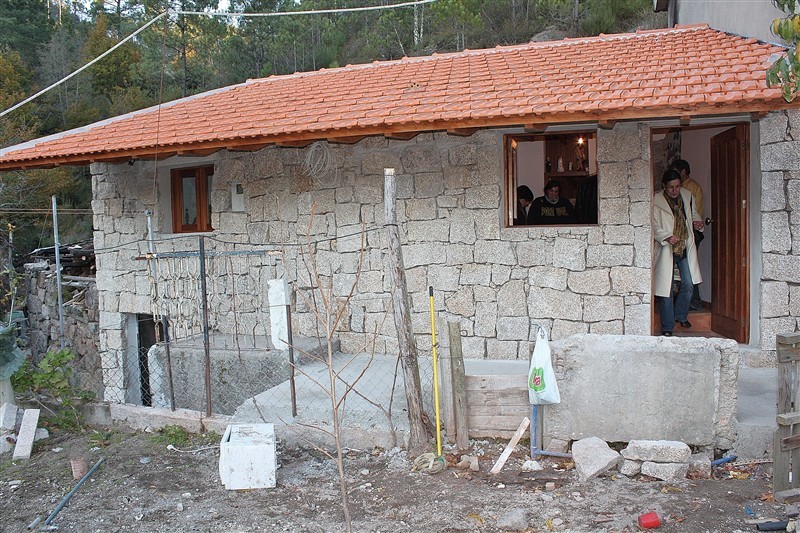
787, 338
501, 461
785, 386
460, 406
780, 463
788, 353
502, 382
788, 419
790, 443
499, 410
446, 392
493, 422
495, 398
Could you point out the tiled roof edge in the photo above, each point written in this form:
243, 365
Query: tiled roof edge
111, 120
569, 41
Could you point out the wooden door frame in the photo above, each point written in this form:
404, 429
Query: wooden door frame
746, 154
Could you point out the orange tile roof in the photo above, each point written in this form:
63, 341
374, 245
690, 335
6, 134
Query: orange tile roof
690, 70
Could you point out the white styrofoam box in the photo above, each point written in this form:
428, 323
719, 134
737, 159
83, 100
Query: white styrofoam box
247, 457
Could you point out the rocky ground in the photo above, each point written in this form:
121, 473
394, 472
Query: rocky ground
169, 481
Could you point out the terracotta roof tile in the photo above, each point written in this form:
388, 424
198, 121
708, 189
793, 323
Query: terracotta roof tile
670, 72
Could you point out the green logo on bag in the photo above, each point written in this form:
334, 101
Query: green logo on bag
536, 381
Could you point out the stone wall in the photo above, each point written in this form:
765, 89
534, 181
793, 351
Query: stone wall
81, 323
780, 226
494, 280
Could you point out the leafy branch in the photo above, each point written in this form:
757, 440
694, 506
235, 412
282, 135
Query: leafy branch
785, 71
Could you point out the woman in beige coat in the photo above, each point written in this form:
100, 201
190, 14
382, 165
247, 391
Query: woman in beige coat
674, 217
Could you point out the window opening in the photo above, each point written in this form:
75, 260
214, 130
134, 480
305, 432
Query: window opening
551, 179
191, 199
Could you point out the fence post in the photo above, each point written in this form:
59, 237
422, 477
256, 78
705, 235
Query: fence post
785, 456
459, 388
206, 345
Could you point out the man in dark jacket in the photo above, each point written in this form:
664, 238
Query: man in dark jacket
551, 208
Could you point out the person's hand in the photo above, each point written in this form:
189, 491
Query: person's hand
698, 225
673, 240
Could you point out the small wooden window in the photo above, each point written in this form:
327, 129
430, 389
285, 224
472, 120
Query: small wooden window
191, 199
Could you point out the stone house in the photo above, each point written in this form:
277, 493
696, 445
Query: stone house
602, 115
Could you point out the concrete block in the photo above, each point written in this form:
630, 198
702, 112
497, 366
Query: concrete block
593, 457
665, 471
642, 371
629, 468
659, 451
27, 432
8, 417
247, 457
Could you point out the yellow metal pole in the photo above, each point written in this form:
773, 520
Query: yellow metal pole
435, 379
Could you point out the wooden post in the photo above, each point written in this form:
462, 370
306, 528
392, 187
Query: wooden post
446, 389
459, 387
402, 319
788, 351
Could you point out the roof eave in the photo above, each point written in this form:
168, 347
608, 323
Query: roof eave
398, 131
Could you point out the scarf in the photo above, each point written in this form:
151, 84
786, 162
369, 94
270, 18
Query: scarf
679, 230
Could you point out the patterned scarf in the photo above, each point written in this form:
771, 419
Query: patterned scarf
679, 230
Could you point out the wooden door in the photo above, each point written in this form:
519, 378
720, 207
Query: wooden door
730, 249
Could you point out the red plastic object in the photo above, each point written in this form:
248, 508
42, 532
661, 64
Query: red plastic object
649, 521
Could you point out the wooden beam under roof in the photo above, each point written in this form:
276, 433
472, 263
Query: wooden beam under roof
346, 140
295, 144
758, 115
201, 152
462, 132
401, 135
685, 120
247, 147
535, 128
606, 124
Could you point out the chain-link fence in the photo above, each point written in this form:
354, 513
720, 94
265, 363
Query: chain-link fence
209, 342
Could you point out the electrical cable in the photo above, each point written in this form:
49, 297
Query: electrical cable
207, 14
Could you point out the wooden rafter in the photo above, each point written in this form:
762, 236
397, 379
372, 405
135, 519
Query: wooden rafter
462, 132
346, 140
535, 128
401, 135
606, 124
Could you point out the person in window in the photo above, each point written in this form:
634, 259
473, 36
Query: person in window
524, 211
551, 208
674, 218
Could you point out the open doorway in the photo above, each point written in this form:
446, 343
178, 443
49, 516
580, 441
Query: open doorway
719, 159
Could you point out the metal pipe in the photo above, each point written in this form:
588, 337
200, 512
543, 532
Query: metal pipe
58, 275
206, 344
72, 492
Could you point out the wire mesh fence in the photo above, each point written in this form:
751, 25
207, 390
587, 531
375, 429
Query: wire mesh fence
209, 342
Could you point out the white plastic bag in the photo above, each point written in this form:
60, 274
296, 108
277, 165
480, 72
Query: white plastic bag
542, 387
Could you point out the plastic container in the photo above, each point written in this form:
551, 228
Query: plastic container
649, 521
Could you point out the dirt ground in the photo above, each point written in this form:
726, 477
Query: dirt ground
143, 485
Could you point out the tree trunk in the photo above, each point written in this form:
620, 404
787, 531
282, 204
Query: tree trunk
418, 441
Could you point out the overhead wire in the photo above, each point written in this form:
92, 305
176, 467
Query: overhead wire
208, 14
